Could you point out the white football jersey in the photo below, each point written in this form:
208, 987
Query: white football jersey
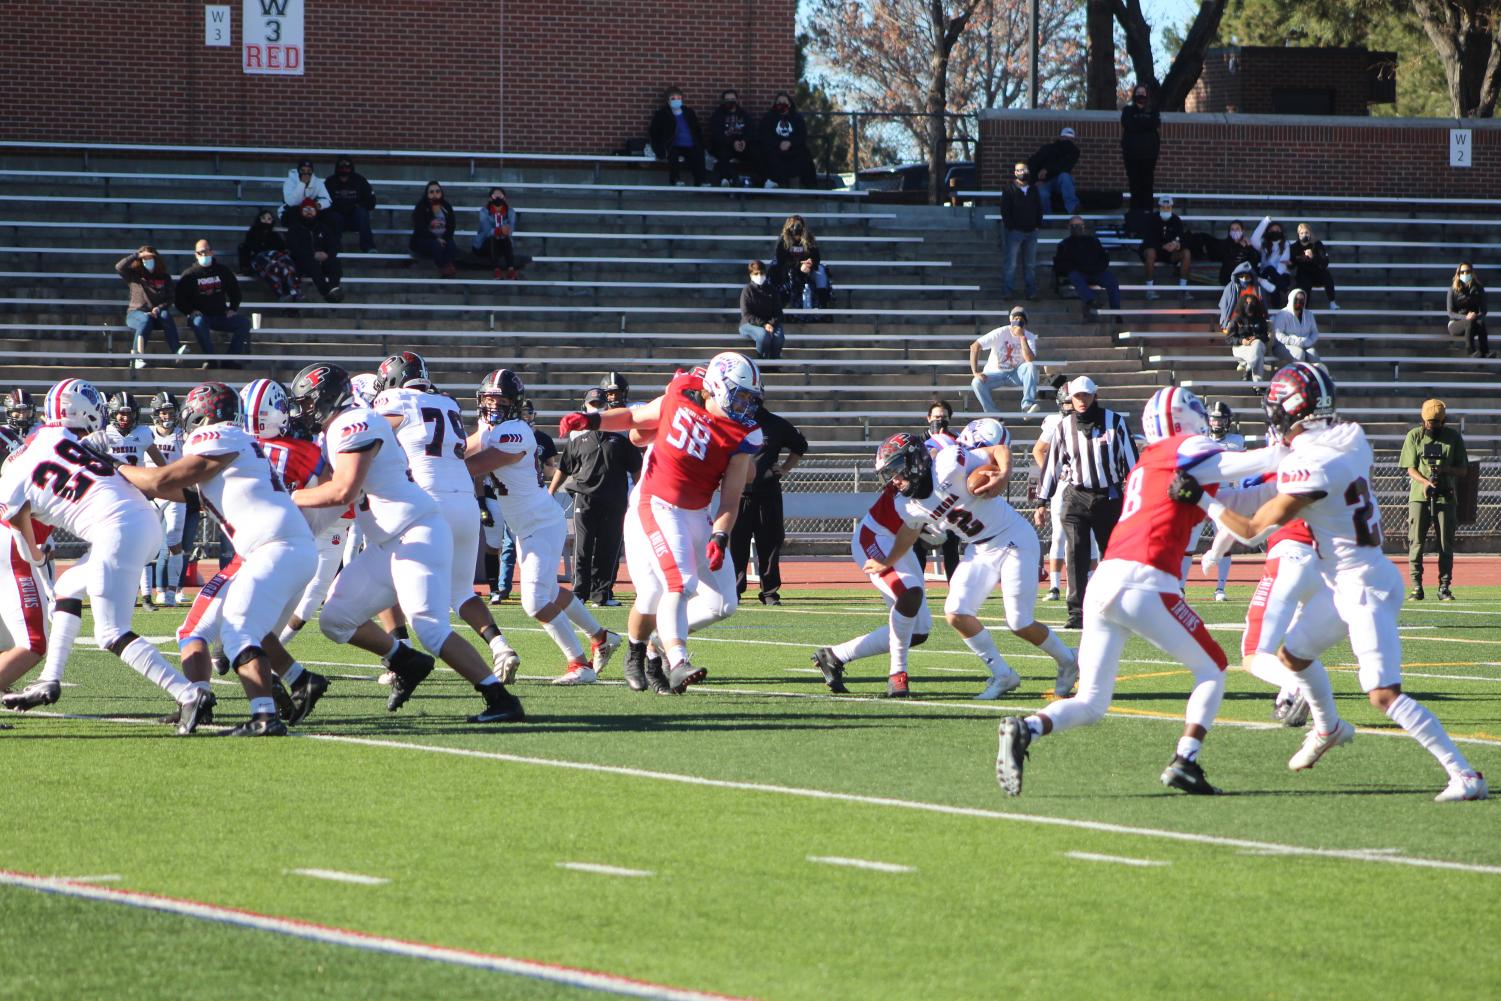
392, 497
129, 447
69, 485
169, 444
525, 505
1233, 441
432, 434
1346, 520
247, 497
952, 507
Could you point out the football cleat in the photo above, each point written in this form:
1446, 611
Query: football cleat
1316, 744
656, 678
1220, 595
1011, 754
500, 706
507, 663
1464, 787
831, 667
1068, 676
306, 691
38, 693
600, 651
1187, 776
196, 709
683, 675
1052, 595
999, 685
260, 725
578, 673
411, 668
1444, 594
896, 686
283, 700
635, 666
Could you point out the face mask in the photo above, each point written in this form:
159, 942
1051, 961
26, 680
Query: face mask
797, 230
497, 202
1076, 230
758, 279
937, 425
1298, 307
1166, 215
1305, 237
1275, 235
345, 168
149, 263
1141, 99
1467, 278
1236, 234
782, 109
1023, 176
675, 104
435, 196
205, 259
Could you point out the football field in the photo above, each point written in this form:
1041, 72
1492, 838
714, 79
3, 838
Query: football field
757, 837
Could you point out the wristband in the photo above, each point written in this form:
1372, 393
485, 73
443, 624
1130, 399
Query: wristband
721, 539
592, 416
1212, 507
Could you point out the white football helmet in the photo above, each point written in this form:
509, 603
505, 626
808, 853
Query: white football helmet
264, 408
984, 433
75, 404
366, 387
733, 381
1173, 411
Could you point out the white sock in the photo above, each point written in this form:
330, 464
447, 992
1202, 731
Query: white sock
146, 581
1188, 748
672, 621
1425, 728
874, 642
582, 617
1055, 648
1269, 668
1224, 569
174, 572
499, 647
1204, 701
561, 631
65, 627
900, 630
263, 707
293, 673
984, 648
1034, 725
1313, 682
151, 665
286, 635
1053, 579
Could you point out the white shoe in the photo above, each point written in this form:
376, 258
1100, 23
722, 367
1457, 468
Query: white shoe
999, 685
602, 650
1333, 306
507, 663
1316, 744
138, 363
1464, 787
578, 674
386, 678
160, 597
1219, 595
1068, 676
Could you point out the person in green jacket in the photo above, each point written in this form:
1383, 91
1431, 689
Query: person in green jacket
1434, 457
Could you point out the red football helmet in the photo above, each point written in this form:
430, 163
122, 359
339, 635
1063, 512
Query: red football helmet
904, 455
1299, 392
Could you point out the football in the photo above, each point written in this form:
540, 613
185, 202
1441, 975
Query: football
985, 482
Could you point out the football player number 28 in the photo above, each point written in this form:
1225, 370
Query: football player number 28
1367, 525
689, 436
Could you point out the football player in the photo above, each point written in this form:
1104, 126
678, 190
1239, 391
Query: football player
1326, 481
408, 557
617, 390
1058, 543
24, 591
1221, 429
20, 412
505, 449
703, 436
127, 442
166, 436
60, 481
430, 428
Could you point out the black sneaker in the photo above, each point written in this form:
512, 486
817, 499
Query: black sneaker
1188, 777
500, 706
38, 693
196, 711
685, 674
831, 667
771, 599
635, 666
1074, 622
1416, 593
283, 699
411, 668
1444, 594
1011, 754
306, 691
656, 680
260, 725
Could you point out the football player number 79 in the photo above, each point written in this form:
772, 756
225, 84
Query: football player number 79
689, 436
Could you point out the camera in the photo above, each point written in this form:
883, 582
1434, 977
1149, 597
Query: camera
1433, 452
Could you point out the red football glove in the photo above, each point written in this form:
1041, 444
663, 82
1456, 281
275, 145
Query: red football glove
578, 422
719, 542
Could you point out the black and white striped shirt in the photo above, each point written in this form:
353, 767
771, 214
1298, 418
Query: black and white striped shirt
1089, 456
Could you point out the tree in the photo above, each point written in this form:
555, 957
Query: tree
827, 140
1102, 84
1187, 66
945, 29
1464, 34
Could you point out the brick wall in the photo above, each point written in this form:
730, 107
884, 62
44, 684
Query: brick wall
535, 76
1244, 78
1260, 153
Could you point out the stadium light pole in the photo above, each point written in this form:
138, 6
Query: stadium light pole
1032, 54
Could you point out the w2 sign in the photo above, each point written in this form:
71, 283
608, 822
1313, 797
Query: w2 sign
272, 37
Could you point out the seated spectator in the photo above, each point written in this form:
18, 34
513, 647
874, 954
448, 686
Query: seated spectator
264, 254
1234, 250
677, 139
1295, 329
1467, 311
1012, 362
730, 140
783, 139
208, 294
1310, 264
1272, 244
433, 230
761, 313
353, 201
313, 242
150, 300
493, 239
1243, 320
1164, 241
1083, 259
798, 271
301, 189
1052, 168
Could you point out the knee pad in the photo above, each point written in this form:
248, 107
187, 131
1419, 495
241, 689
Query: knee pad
909, 602
118, 644
246, 655
432, 632
918, 639
72, 606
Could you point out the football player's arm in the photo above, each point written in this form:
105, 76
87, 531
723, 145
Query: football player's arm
1278, 511
155, 454
906, 536
1225, 466
343, 485
736, 475
1001, 456
558, 476
482, 460
623, 419
169, 481
20, 522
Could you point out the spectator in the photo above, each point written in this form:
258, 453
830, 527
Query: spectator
493, 239
1164, 241
798, 271
761, 313
598, 467
150, 302
1052, 168
784, 146
1272, 244
208, 294
1083, 259
760, 515
1310, 264
263, 253
301, 189
1243, 320
1234, 250
1021, 217
733, 145
1139, 146
677, 139
433, 229
1467, 311
1012, 362
312, 231
353, 201
1435, 459
1295, 329
939, 436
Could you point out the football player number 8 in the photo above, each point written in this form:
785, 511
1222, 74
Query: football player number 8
688, 436
1367, 527
1132, 502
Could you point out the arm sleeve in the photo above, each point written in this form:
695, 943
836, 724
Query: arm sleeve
1225, 466
1461, 457
122, 266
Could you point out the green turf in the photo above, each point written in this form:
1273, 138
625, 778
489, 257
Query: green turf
471, 845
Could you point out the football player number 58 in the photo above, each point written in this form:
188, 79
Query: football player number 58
688, 436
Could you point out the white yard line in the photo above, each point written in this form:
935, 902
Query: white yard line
107, 878
335, 876
1116, 859
605, 870
860, 863
589, 979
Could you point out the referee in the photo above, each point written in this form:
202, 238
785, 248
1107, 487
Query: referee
1090, 453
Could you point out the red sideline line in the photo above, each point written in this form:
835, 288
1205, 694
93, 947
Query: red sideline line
572, 976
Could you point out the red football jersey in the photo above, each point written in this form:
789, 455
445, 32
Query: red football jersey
1296, 530
1153, 529
693, 447
296, 461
